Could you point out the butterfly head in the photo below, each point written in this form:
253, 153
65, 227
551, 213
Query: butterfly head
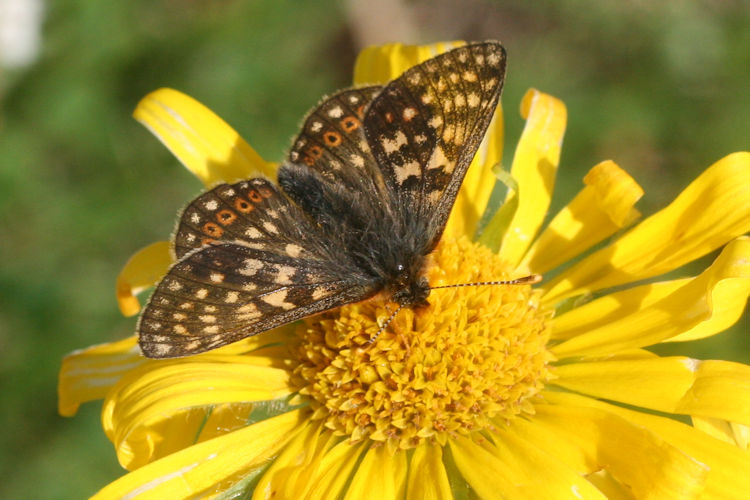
410, 288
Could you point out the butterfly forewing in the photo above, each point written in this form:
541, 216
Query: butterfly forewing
224, 292
251, 211
425, 127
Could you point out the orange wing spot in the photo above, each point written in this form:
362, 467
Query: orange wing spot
332, 138
243, 205
226, 217
265, 192
389, 117
308, 160
349, 124
207, 241
254, 196
213, 229
315, 151
361, 111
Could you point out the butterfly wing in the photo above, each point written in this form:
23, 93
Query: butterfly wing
425, 127
332, 142
242, 271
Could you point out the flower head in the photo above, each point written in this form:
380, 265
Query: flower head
506, 391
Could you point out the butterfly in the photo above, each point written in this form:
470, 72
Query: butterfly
361, 200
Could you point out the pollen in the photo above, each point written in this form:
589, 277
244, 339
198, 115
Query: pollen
473, 359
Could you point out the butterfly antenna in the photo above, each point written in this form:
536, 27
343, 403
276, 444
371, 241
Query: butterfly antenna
384, 325
526, 280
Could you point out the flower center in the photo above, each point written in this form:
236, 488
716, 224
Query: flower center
471, 359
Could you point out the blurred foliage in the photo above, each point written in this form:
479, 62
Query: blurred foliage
661, 88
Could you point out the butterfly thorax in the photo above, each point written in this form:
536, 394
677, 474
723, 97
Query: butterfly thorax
410, 291
358, 224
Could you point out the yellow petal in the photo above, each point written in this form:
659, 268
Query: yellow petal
204, 143
477, 186
712, 210
293, 467
637, 457
141, 271
539, 474
609, 486
729, 432
610, 308
679, 385
88, 374
207, 468
487, 475
534, 167
151, 400
683, 310
728, 465
379, 64
602, 208
427, 476
333, 473
380, 476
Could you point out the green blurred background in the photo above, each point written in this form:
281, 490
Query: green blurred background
659, 87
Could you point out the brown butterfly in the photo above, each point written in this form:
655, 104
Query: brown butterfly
361, 201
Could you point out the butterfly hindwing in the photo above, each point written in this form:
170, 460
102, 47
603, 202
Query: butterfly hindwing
425, 127
252, 211
332, 141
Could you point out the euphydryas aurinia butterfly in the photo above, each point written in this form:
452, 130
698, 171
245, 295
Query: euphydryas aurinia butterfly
361, 200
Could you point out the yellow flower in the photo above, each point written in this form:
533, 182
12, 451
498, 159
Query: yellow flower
509, 392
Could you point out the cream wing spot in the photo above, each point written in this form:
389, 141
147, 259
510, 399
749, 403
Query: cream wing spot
393, 145
336, 112
211, 205
253, 233
217, 277
248, 312
435, 121
284, 275
473, 100
252, 266
207, 318
201, 293
439, 160
270, 227
278, 299
406, 170
161, 350
293, 250
320, 292
231, 297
